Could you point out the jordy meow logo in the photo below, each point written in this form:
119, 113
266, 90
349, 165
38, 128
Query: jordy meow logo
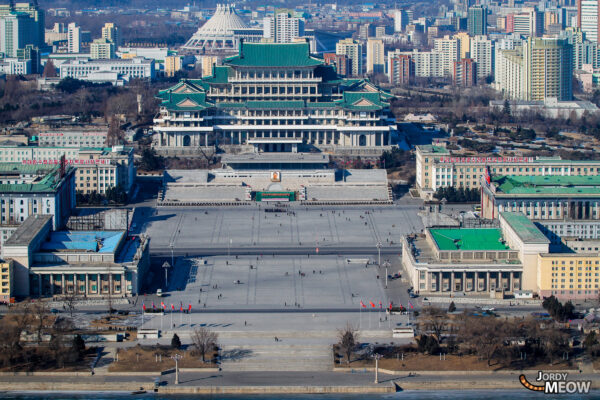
556, 383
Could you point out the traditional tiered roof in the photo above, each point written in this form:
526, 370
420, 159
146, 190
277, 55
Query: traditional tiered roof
192, 94
273, 55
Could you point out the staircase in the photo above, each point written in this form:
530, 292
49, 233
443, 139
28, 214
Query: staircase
277, 356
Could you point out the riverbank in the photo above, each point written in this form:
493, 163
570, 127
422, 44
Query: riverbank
318, 382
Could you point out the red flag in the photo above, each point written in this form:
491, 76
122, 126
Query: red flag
390, 305
162, 304
410, 304
144, 306
362, 304
172, 307
380, 305
181, 308
372, 304
153, 304
190, 307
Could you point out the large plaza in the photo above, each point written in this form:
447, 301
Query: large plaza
251, 226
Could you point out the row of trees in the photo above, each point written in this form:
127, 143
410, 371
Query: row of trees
558, 311
509, 343
113, 195
490, 338
395, 158
62, 349
460, 195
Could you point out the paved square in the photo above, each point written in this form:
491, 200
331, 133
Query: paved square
281, 282
251, 226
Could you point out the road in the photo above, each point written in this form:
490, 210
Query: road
277, 250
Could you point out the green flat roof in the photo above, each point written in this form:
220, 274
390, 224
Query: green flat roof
468, 239
524, 227
47, 183
15, 167
551, 185
274, 55
429, 148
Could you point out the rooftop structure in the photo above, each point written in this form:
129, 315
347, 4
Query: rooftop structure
471, 261
275, 161
274, 97
83, 263
243, 182
547, 185
222, 32
543, 197
86, 241
468, 239
527, 231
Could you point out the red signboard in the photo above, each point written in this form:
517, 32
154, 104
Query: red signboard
482, 160
101, 161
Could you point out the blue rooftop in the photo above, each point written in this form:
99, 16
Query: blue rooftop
94, 241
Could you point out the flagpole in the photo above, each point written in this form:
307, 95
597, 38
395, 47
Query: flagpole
171, 316
360, 316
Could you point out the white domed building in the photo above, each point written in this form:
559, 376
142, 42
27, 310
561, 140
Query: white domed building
222, 32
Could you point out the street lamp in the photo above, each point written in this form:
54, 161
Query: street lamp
176, 357
376, 356
171, 245
166, 266
386, 264
379, 246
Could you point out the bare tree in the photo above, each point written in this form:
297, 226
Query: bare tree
485, 336
70, 303
203, 340
434, 320
11, 327
348, 340
114, 135
40, 312
554, 342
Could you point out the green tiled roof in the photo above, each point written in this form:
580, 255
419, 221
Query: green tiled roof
48, 182
275, 104
195, 85
186, 101
524, 228
322, 104
225, 104
19, 168
273, 55
468, 239
547, 185
354, 100
220, 74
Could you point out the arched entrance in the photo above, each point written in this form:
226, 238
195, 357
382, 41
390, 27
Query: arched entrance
186, 140
362, 140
